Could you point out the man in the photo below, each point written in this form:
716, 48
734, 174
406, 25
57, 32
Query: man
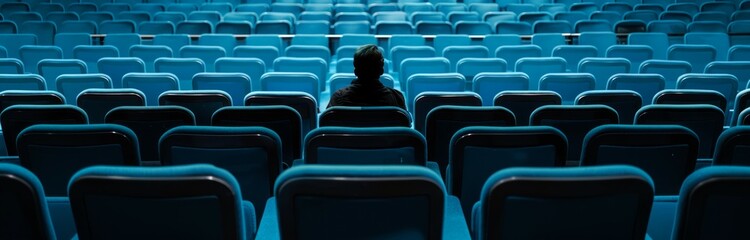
367, 90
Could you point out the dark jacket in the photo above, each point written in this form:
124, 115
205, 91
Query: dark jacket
362, 93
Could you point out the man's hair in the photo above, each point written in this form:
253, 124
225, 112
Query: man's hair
368, 62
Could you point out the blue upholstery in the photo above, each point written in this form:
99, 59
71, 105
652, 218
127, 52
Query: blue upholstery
368, 116
740, 69
237, 85
568, 85
426, 101
396, 212
30, 55
183, 68
70, 85
97, 102
68, 41
302, 102
207, 54
202, 103
251, 154
548, 41
645, 84
16, 118
603, 68
478, 152
470, 67
156, 27
668, 153
448, 40
691, 96
574, 121
173, 41
725, 84
308, 51
116, 67
705, 120
669, 69
22, 82
658, 42
739, 53
593, 203
583, 26
625, 102
573, 54
430, 65
42, 147
698, 55
536, 67
365, 146
122, 41
512, 53
148, 54
741, 103
731, 147
316, 66
444, 121
492, 42
600, 40
283, 120
91, 55
117, 26
151, 84
50, 69
253, 67
149, 123
551, 26
456, 53
636, 54
711, 204
523, 103
36, 97
266, 53
720, 41
26, 214
179, 201
401, 51
424, 82
291, 81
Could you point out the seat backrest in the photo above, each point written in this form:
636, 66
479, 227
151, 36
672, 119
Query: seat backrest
720, 189
478, 152
26, 213
523, 103
666, 152
625, 102
183, 68
698, 55
357, 146
42, 147
237, 85
385, 116
314, 65
647, 85
590, 202
22, 82
573, 54
407, 207
251, 154
574, 121
568, 85
202, 103
424, 82
706, 121
303, 103
252, 66
70, 85
731, 147
30, 55
426, 101
283, 120
291, 81
16, 118
98, 102
691, 96
116, 67
179, 201
151, 84
444, 121
603, 69
636, 54
149, 123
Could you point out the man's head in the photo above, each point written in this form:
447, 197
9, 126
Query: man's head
368, 62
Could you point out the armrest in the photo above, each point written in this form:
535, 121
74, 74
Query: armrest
662, 217
269, 224
248, 212
434, 167
454, 223
298, 162
62, 217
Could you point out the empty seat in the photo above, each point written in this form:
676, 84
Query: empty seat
740, 69
183, 68
149, 123
444, 121
207, 54
30, 55
731, 147
423, 82
34, 97
172, 201
611, 197
240, 149
536, 67
316, 66
399, 53
512, 53
625, 102
13, 42
22, 82
669, 69
568, 85
50, 69
225, 41
573, 54
117, 26
151, 84
16, 118
583, 26
385, 116
646, 85
237, 85
658, 42
523, 103
397, 214
41, 147
44, 30
478, 152
470, 67
173, 41
698, 55
283, 120
307, 51
489, 84
726, 84
355, 146
97, 102
426, 101
705, 120
28, 215
303, 103
548, 41
574, 121
202, 103
636, 54
290, 81
116, 67
600, 40
122, 41
603, 69
91, 55
70, 85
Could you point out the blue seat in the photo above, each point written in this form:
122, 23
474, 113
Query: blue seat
444, 121
520, 28
473, 28
283, 120
393, 27
625, 102
691, 96
351, 27
148, 54
456, 53
221, 7
74, 26
370, 116
547, 41
313, 27
698, 55
22, 17
609, 16
291, 81
183, 68
256, 148
122, 41
669, 69
30, 55
433, 27
16, 118
79, 145
709, 27
611, 196
731, 147
397, 214
426, 101
44, 30
117, 67
512, 53
234, 27
424, 82
488, 84
726, 84
114, 7
97, 17
30, 218
11, 66
307, 51
701, 192
22, 82
207, 54
183, 7
173, 41
97, 102
492, 42
705, 120
117, 26
149, 123
719, 41
659, 42
739, 53
225, 41
536, 67
8, 27
573, 54
202, 103
688, 7
357, 40
523, 103
273, 27
551, 26
636, 54
50, 69
67, 41
737, 30
150, 8
470, 67
302, 102
400, 53
13, 42
355, 146
447, 40
237, 85
724, 7
8, 8
266, 53
645, 84
137, 17
603, 69
253, 67
478, 152
584, 26
194, 27
33, 97
244, 17
740, 69
571, 17
212, 17
70, 85
568, 85
600, 40
316, 66
574, 121
168, 199
151, 84
91, 55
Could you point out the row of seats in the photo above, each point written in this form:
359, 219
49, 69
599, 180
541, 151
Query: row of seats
541, 146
